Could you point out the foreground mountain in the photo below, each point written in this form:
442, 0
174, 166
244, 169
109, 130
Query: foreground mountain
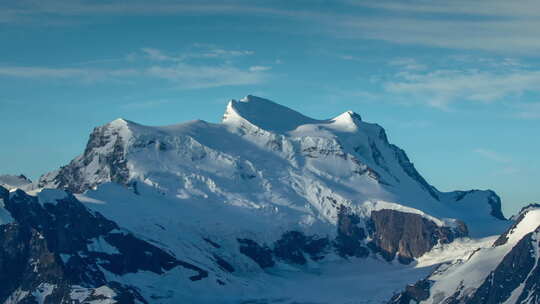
267, 206
55, 250
506, 272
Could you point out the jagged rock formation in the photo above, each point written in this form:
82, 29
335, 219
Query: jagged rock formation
408, 235
53, 247
413, 293
350, 239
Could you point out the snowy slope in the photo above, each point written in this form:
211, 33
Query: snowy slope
93, 259
269, 158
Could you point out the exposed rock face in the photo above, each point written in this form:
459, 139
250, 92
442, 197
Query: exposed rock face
26, 262
350, 237
413, 293
294, 247
57, 244
223, 264
262, 255
408, 235
104, 158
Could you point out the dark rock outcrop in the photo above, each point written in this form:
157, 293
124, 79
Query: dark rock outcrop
350, 237
408, 235
412, 293
262, 255
223, 264
294, 245
58, 243
112, 164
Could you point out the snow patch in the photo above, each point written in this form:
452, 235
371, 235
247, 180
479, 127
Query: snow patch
51, 196
43, 291
101, 245
370, 206
528, 223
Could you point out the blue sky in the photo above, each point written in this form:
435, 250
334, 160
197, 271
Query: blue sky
454, 83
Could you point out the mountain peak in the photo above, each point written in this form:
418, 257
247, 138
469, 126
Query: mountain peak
264, 114
120, 123
347, 121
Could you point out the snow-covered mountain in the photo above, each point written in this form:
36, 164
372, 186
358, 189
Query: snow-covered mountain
506, 272
267, 206
271, 159
14, 181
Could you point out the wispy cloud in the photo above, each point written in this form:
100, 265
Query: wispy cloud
528, 110
492, 155
407, 64
440, 88
178, 70
46, 73
194, 77
498, 25
493, 8
259, 68
493, 35
156, 64
502, 165
26, 10
202, 51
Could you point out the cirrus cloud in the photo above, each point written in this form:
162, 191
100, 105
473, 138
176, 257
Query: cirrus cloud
440, 88
155, 64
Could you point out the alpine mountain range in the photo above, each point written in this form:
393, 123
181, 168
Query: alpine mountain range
268, 206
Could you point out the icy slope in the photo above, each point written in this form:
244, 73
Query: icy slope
271, 160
